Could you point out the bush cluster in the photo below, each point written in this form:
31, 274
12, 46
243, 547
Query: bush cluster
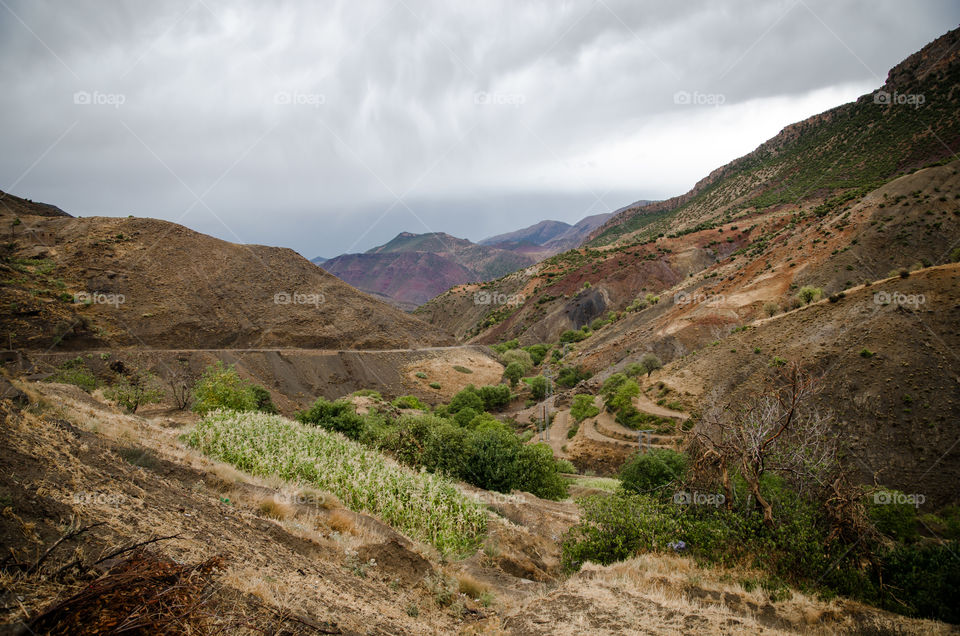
653, 510
461, 440
221, 387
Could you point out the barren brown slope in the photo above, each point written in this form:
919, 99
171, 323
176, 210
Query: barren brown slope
408, 279
887, 356
158, 284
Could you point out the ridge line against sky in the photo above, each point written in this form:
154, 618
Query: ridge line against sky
331, 129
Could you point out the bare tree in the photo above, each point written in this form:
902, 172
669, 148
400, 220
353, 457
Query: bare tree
179, 381
776, 430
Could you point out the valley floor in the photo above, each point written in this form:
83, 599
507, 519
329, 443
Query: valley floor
283, 563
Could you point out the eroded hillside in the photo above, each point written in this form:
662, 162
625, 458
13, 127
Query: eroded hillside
91, 282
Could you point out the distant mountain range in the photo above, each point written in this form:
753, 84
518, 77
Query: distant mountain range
413, 268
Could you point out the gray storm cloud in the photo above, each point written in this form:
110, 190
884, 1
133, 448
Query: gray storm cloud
332, 126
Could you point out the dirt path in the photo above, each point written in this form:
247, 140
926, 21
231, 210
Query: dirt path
558, 433
647, 405
117, 350
604, 427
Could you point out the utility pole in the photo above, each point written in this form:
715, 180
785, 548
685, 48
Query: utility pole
645, 433
546, 404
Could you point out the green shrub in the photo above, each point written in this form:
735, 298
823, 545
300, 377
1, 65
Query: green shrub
494, 397
513, 373
538, 386
925, 579
76, 373
611, 384
571, 335
421, 375
220, 387
519, 356
583, 407
892, 515
492, 464
506, 346
340, 416
566, 466
651, 363
447, 449
537, 472
634, 369
460, 369
537, 353
466, 397
808, 294
408, 402
465, 416
134, 390
614, 528
435, 385
646, 472
264, 400
370, 393
569, 376
621, 400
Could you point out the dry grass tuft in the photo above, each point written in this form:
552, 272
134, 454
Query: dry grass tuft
274, 509
342, 521
470, 585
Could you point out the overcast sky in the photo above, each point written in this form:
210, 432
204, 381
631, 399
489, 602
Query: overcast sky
329, 127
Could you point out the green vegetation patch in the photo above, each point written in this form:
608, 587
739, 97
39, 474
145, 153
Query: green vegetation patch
424, 506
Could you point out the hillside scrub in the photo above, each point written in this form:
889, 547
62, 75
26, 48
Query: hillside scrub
75, 372
570, 376
914, 578
513, 372
573, 335
221, 387
460, 440
537, 353
763, 486
647, 472
519, 356
538, 386
583, 407
425, 506
133, 390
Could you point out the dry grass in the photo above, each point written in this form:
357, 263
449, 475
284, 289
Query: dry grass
342, 521
469, 585
270, 507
